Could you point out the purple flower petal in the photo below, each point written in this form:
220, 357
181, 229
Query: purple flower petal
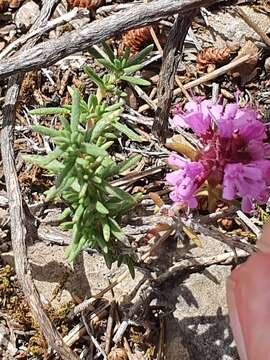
246, 204
247, 180
198, 123
185, 181
174, 177
178, 120
176, 160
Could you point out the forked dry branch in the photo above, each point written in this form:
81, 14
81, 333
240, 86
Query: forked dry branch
51, 51
171, 57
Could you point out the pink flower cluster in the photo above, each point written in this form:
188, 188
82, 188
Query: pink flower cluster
232, 153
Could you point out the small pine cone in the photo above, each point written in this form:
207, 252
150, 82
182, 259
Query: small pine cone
87, 4
134, 39
211, 56
266, 4
117, 354
4, 4
226, 223
15, 4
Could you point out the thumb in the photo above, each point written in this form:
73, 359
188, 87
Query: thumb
264, 242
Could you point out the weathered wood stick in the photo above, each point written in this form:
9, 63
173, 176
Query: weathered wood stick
51, 51
171, 57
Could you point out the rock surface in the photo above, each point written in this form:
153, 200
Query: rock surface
197, 326
27, 14
224, 26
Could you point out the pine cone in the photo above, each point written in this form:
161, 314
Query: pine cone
266, 5
207, 58
134, 39
117, 354
13, 4
4, 5
87, 4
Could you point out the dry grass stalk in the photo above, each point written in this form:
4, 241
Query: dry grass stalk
208, 77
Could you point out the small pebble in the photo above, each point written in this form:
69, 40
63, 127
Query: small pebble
27, 14
267, 65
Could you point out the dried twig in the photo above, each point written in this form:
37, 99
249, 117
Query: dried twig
128, 350
130, 178
93, 339
109, 330
197, 263
107, 10
205, 78
211, 218
40, 31
161, 340
171, 57
246, 220
79, 330
211, 231
51, 51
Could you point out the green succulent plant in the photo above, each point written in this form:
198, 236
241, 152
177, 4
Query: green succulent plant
83, 166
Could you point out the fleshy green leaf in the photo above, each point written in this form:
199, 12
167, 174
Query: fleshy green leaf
65, 123
78, 213
75, 111
129, 163
40, 160
47, 131
65, 213
94, 77
105, 229
132, 69
108, 64
101, 208
98, 129
101, 242
108, 50
95, 53
55, 167
49, 111
127, 131
140, 56
130, 265
126, 53
93, 150
116, 230
135, 80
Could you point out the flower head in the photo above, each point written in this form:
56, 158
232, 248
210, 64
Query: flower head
232, 153
186, 180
